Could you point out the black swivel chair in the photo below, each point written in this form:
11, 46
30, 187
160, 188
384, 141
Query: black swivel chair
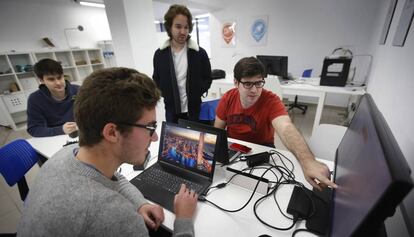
295, 104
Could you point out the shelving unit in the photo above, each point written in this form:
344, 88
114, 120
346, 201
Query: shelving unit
18, 81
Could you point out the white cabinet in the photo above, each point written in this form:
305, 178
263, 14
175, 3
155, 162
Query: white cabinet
16, 77
18, 81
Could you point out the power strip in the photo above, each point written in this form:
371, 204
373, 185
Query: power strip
248, 181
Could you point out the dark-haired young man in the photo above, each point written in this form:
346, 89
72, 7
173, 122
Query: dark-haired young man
256, 115
78, 191
50, 108
182, 69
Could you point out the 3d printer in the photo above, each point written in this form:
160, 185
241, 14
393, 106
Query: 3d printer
335, 68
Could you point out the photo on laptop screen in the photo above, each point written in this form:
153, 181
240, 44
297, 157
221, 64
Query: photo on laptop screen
188, 148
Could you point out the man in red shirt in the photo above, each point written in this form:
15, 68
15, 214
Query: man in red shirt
256, 115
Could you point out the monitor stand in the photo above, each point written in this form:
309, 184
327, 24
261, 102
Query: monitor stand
317, 212
319, 221
313, 206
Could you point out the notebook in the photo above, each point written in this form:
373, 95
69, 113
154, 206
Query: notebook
185, 156
224, 154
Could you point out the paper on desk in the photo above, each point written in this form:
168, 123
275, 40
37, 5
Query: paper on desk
310, 80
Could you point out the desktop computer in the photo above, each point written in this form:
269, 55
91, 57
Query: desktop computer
275, 65
335, 71
372, 176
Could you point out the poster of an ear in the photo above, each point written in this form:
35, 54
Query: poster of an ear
258, 30
228, 34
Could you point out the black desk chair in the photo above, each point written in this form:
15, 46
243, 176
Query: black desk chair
295, 104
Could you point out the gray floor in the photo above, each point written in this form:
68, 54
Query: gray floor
11, 205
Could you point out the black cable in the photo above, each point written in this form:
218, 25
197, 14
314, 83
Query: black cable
304, 230
248, 201
287, 177
283, 175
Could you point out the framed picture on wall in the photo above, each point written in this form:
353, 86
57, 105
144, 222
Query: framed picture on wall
388, 20
228, 34
404, 25
258, 30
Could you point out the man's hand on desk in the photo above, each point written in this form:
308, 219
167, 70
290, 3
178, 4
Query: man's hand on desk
69, 127
153, 215
185, 203
317, 174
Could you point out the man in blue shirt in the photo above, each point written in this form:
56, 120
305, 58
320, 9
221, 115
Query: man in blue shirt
50, 109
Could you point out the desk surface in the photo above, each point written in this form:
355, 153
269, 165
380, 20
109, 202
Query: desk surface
208, 220
303, 85
327, 89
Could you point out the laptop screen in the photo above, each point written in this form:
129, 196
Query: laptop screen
193, 149
222, 154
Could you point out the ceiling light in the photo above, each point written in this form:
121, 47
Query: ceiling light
92, 4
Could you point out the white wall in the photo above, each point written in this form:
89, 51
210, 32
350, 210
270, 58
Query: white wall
24, 23
391, 84
306, 31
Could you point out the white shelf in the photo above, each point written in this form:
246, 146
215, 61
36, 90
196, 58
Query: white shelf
7, 74
13, 106
22, 73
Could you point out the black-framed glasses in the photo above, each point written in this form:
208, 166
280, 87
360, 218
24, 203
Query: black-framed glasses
249, 85
150, 127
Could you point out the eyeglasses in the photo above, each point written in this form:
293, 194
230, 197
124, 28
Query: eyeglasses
151, 127
249, 85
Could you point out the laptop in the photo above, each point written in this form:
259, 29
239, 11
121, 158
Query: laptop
224, 154
185, 156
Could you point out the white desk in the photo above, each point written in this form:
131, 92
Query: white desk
48, 146
319, 92
208, 220
221, 86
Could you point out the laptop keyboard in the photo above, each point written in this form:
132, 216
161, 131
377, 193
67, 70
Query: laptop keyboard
168, 181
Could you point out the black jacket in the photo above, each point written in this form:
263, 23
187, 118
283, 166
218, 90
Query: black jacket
198, 78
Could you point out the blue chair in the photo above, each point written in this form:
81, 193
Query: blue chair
16, 158
208, 111
295, 104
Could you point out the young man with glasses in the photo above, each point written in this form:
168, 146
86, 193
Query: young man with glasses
256, 115
78, 191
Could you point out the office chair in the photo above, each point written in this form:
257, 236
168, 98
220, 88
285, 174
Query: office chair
325, 140
16, 158
273, 84
295, 104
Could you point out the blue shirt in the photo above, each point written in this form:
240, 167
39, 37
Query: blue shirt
45, 115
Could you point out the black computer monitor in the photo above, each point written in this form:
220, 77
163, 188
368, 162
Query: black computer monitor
371, 172
275, 65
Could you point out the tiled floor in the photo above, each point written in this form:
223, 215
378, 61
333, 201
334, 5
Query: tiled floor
11, 206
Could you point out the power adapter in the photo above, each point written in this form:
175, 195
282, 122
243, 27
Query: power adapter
300, 203
257, 159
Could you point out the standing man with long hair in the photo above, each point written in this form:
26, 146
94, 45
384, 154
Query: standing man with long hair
182, 69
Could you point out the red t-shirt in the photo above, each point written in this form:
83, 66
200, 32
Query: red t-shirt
253, 124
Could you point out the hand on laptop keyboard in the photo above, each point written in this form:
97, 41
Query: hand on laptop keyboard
185, 202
